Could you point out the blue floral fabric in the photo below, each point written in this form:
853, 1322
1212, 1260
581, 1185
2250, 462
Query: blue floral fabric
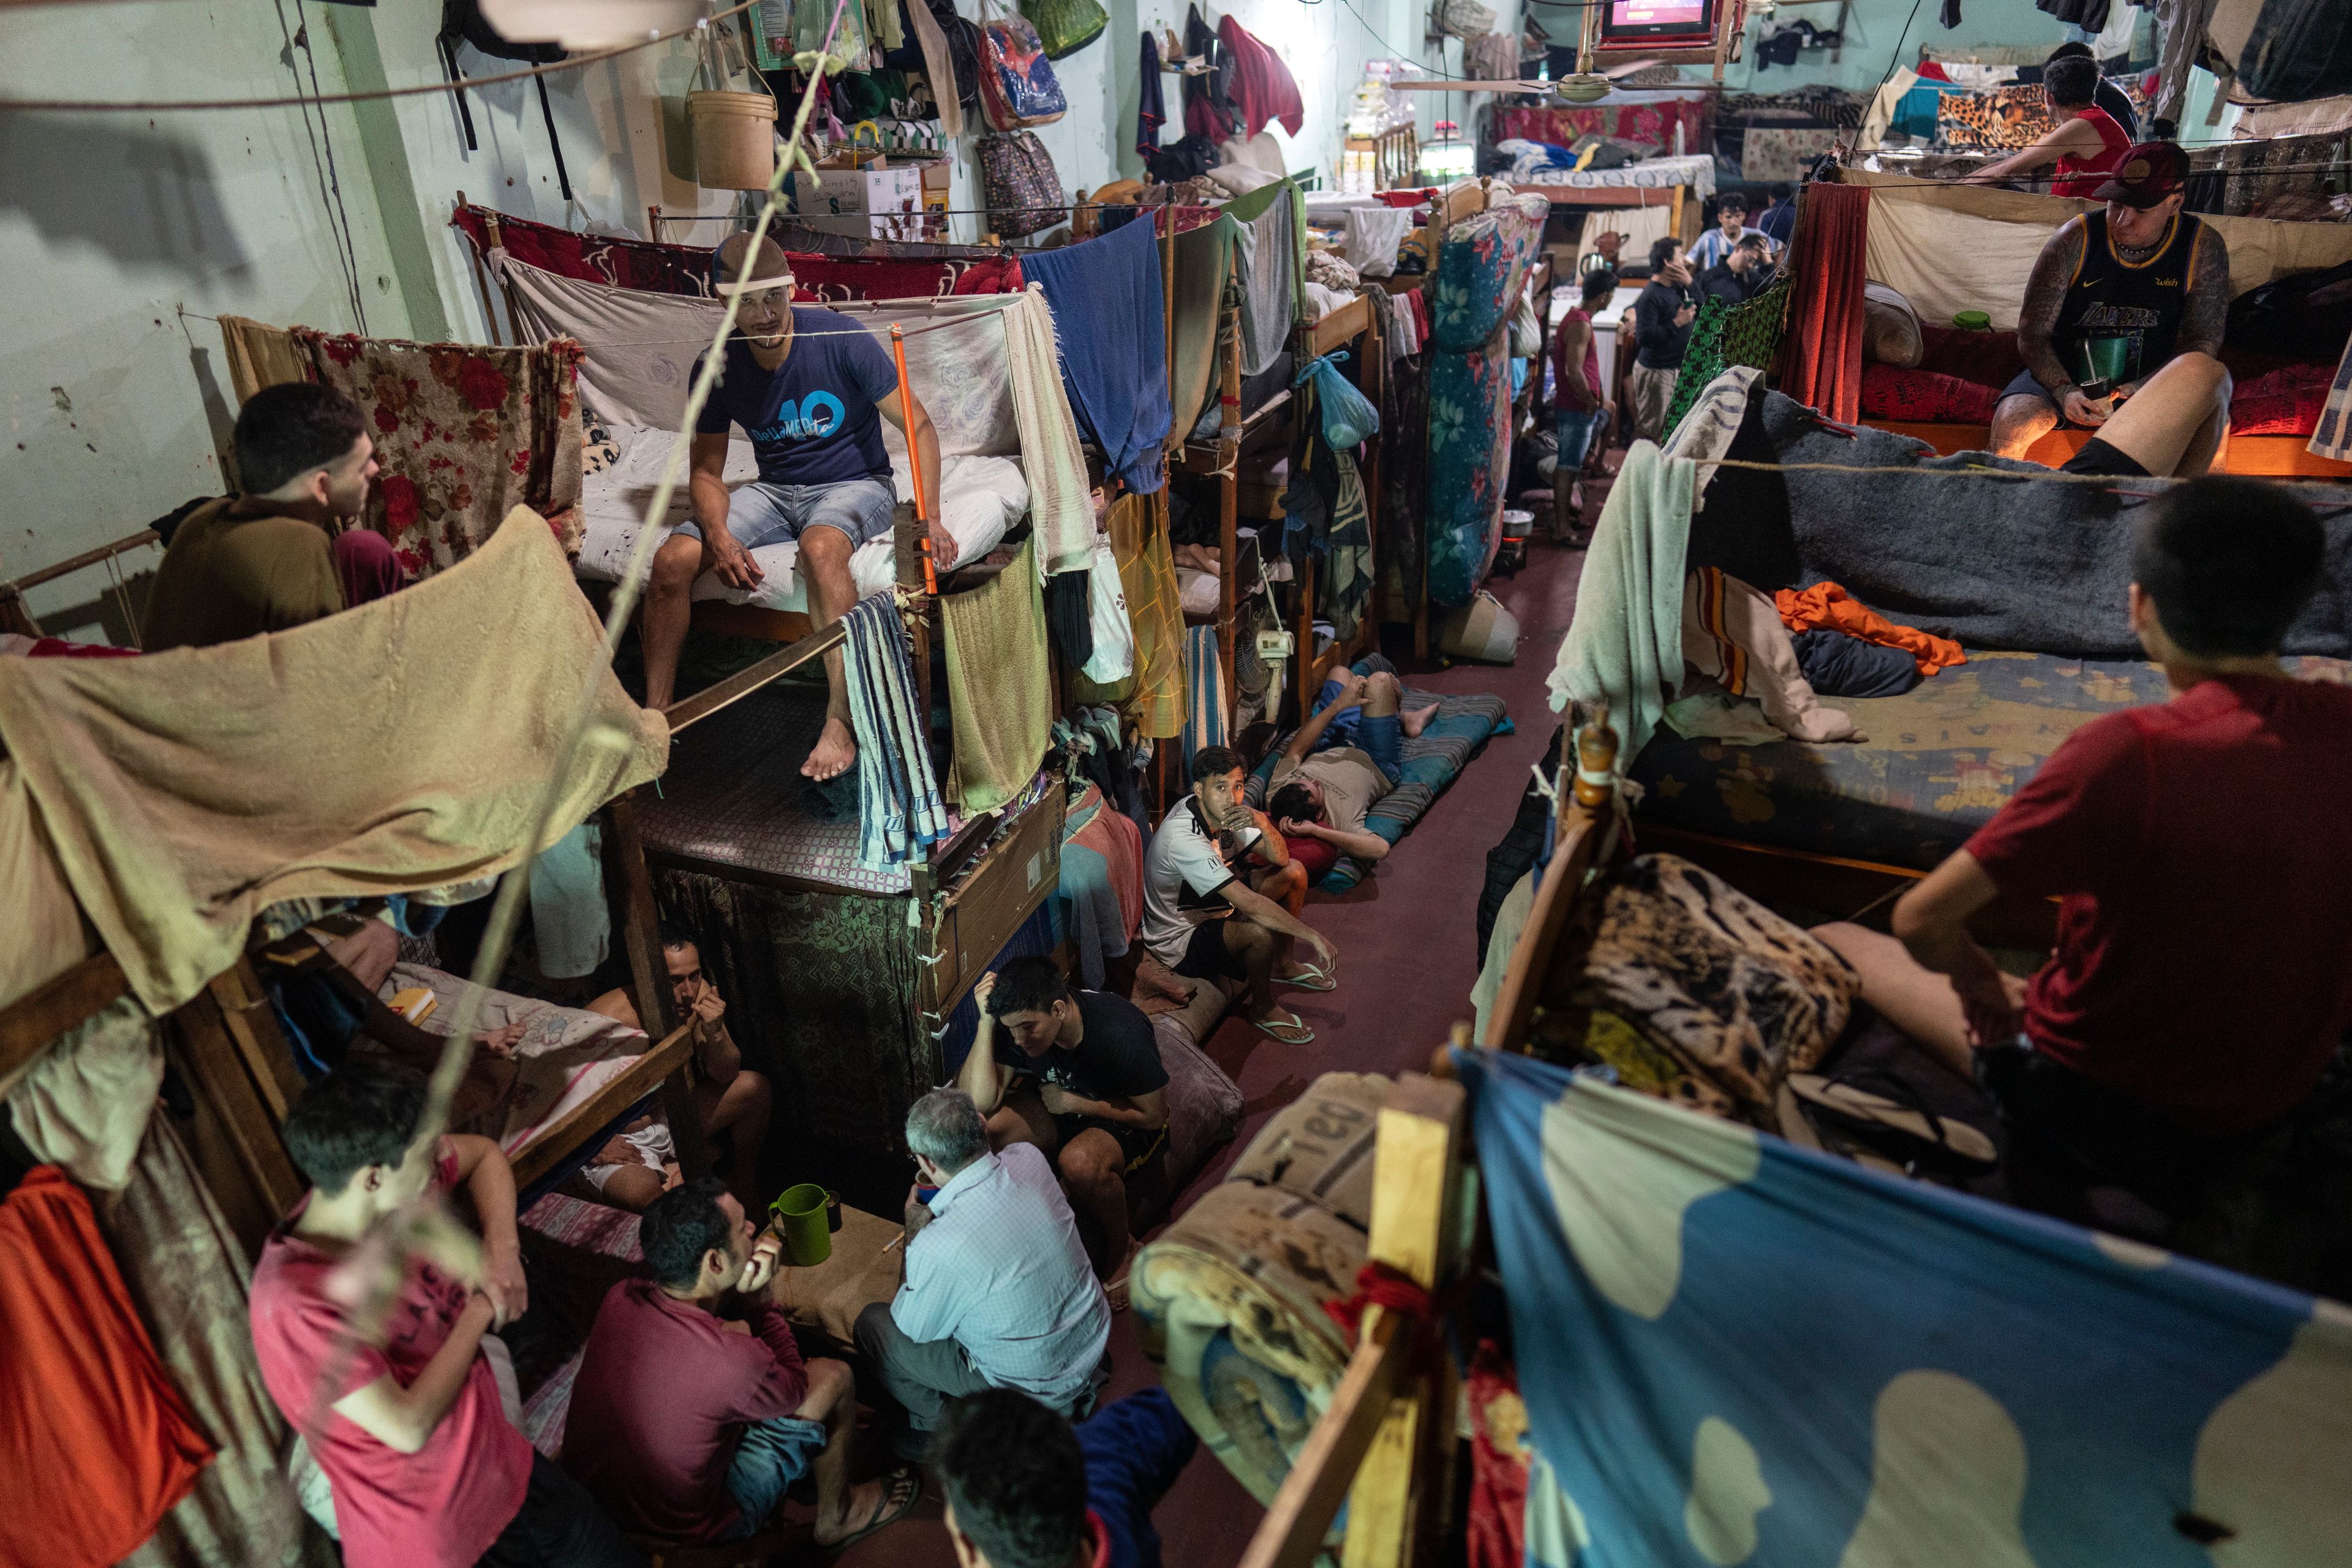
1938, 762
1481, 268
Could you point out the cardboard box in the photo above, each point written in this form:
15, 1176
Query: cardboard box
867, 196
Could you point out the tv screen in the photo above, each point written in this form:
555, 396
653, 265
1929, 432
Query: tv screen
1657, 19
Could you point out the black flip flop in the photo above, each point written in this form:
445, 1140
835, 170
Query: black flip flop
909, 1475
1902, 1113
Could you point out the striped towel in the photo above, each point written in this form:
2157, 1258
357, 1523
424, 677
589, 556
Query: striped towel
1204, 691
899, 805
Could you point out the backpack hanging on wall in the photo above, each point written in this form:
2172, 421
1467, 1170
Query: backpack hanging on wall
462, 22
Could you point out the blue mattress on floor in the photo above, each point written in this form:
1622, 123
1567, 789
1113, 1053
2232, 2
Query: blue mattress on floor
1937, 763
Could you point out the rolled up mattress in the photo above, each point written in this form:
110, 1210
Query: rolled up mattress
1230, 1297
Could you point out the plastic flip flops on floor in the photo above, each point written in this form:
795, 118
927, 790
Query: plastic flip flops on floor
902, 1488
1956, 1139
1288, 1027
1313, 977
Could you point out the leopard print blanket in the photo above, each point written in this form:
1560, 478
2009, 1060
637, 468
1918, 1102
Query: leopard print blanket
1692, 991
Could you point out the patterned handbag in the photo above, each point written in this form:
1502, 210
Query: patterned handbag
1020, 184
1017, 85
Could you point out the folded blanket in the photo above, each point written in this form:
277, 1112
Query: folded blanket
1109, 309
898, 805
1624, 645
998, 687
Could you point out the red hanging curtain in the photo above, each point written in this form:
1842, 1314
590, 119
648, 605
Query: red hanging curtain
1820, 352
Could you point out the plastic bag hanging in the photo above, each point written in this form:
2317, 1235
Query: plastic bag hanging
1349, 417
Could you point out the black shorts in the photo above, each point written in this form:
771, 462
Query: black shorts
1136, 1144
2102, 1131
2098, 458
1206, 956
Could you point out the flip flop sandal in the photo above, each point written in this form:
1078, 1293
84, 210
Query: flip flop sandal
1956, 1139
1115, 1288
1314, 978
895, 1507
1294, 1032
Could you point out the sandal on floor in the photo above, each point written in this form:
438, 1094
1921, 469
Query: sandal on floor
1288, 1027
1115, 1288
902, 1489
1313, 977
1956, 1139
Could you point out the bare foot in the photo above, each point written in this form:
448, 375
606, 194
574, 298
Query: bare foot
1417, 720
835, 751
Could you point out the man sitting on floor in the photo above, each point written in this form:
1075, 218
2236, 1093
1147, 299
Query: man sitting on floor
1076, 1073
261, 560
1025, 1490
1202, 920
426, 1469
810, 388
1324, 786
632, 1169
2203, 974
2115, 298
2082, 149
690, 1429
997, 1291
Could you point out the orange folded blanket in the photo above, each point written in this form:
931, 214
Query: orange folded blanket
1827, 604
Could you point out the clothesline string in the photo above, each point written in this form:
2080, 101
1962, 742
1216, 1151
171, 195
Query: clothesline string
976, 313
163, 106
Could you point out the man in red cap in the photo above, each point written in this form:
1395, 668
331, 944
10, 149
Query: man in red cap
2132, 301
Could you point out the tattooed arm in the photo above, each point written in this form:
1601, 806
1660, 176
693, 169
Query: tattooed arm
2045, 291
2207, 312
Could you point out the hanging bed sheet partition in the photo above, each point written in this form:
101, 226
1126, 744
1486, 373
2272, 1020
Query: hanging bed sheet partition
984, 368
1481, 267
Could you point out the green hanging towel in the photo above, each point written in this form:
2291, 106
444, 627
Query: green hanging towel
1065, 27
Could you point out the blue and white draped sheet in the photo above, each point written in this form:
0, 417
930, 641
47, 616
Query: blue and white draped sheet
1734, 1351
899, 809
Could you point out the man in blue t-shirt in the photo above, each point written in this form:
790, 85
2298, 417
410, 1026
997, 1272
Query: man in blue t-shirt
810, 388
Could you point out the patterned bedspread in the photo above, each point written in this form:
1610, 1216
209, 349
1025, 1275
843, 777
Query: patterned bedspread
1937, 763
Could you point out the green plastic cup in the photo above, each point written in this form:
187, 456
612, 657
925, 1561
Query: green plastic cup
1973, 321
799, 1218
2107, 360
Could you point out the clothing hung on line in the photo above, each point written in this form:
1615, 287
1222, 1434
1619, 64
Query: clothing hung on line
1262, 84
899, 806
1208, 112
1204, 685
1266, 255
97, 1442
998, 688
1108, 315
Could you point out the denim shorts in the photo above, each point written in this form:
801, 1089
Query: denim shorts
761, 513
1577, 434
1380, 736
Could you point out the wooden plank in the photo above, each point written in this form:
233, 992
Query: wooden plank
253, 1026
1228, 538
1342, 326
663, 1063
217, 1076
744, 683
1587, 828
30, 1023
1292, 1533
639, 925
1004, 890
73, 564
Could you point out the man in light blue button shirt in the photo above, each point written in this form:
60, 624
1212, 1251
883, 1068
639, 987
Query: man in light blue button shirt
998, 1292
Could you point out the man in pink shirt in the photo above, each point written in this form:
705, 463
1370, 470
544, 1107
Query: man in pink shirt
425, 1469
693, 1410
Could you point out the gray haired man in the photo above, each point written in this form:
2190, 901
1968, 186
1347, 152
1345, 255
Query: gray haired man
997, 1291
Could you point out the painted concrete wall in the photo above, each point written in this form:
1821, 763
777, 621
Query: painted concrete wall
109, 226
1875, 34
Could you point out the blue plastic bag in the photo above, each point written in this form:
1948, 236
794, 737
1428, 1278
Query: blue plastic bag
1349, 417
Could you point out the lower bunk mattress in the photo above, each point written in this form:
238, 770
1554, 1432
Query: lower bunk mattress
1939, 761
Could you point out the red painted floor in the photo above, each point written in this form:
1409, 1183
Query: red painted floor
1406, 937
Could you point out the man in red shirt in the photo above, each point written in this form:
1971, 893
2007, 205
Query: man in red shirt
690, 1424
425, 1469
2202, 857
1581, 406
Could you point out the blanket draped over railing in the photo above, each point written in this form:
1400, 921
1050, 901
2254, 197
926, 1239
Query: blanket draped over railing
989, 377
400, 745
464, 434
1734, 1349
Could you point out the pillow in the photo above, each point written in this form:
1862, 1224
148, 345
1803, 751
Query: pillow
1315, 853
1241, 179
1890, 328
1922, 396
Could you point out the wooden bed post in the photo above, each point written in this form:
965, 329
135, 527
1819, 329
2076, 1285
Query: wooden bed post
1229, 460
1372, 376
1586, 824
1386, 1444
482, 277
625, 868
1302, 656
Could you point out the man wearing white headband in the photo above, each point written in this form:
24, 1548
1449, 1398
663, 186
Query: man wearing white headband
810, 388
